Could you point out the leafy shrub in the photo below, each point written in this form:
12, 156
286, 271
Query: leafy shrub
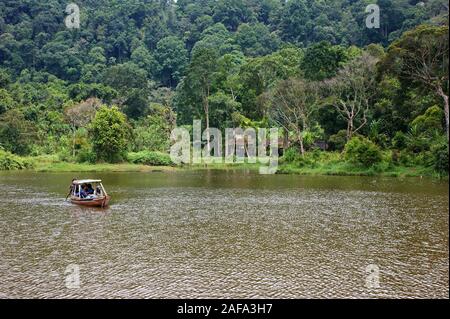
361, 151
395, 157
337, 141
440, 157
399, 141
9, 161
316, 154
429, 122
402, 157
65, 155
381, 139
150, 158
306, 161
313, 134
16, 132
86, 156
291, 155
375, 133
417, 142
153, 131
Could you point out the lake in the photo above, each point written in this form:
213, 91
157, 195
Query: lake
225, 234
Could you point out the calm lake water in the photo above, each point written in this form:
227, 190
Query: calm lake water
210, 234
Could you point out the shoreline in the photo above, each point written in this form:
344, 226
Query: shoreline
342, 169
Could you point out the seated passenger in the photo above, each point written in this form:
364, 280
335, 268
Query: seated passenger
83, 191
89, 189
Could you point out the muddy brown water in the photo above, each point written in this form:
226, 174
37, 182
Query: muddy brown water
233, 234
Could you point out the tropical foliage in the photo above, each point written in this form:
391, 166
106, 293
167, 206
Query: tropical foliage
310, 67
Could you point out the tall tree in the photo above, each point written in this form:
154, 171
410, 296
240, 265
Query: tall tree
202, 72
172, 57
292, 103
124, 77
232, 13
421, 55
262, 73
80, 115
110, 132
352, 90
17, 134
142, 57
322, 61
295, 21
256, 39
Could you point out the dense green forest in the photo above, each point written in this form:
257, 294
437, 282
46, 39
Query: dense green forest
114, 89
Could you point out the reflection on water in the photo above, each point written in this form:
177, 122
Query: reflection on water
226, 235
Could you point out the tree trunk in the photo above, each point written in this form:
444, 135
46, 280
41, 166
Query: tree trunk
286, 139
73, 142
444, 96
206, 108
302, 149
349, 129
300, 140
208, 144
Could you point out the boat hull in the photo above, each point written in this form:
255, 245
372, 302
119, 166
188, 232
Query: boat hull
96, 202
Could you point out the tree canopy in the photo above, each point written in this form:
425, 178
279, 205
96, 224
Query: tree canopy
312, 67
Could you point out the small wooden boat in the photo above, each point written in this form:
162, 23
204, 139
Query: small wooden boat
89, 192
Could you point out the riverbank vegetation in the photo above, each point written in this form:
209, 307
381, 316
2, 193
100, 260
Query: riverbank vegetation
349, 100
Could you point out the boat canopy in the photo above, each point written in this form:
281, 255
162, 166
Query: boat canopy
87, 181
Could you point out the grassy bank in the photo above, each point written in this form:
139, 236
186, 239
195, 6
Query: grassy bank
328, 164
342, 169
123, 167
335, 163
49, 164
52, 163
339, 169
345, 169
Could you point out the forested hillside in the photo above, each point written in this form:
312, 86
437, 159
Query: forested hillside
310, 67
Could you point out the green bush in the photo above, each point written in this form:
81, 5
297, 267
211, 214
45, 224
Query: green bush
361, 151
403, 158
291, 155
65, 155
153, 132
417, 143
9, 161
150, 158
306, 161
86, 156
440, 158
337, 141
110, 132
399, 141
429, 122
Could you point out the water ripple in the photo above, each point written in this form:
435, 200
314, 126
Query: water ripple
225, 242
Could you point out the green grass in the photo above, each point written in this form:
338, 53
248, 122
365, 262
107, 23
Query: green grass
334, 163
346, 169
52, 163
319, 164
224, 166
340, 169
127, 167
150, 158
104, 167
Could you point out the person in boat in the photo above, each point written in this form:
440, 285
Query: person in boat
72, 189
83, 191
90, 189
